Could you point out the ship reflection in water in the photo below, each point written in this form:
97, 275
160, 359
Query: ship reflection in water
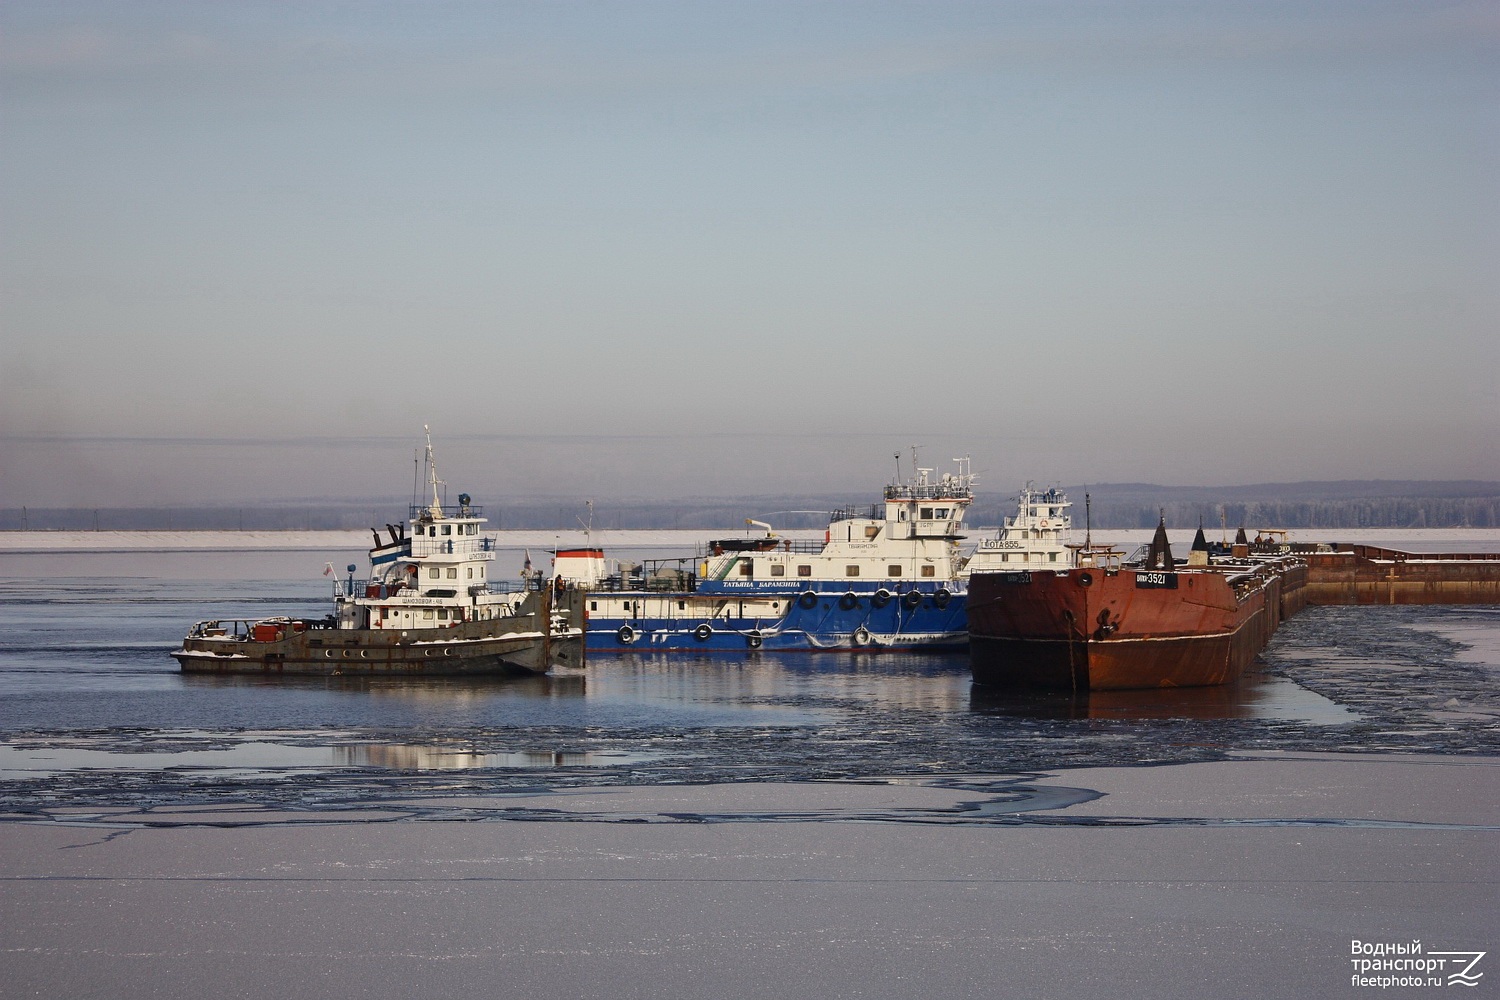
1255, 695
764, 688
437, 758
253, 753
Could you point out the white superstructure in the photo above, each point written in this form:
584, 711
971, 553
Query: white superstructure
912, 536
1035, 538
434, 577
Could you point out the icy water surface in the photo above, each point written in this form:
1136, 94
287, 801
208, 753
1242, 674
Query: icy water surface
93, 711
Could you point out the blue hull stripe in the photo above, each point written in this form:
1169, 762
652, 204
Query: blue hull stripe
826, 625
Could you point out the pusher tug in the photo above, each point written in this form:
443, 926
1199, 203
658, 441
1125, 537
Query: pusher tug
427, 609
884, 577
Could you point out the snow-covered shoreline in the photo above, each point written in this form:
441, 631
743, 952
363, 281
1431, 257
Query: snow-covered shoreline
32, 542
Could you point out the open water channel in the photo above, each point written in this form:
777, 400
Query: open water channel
93, 711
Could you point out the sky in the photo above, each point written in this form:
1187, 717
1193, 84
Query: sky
248, 250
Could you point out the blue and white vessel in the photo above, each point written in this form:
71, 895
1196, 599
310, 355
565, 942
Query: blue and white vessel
885, 577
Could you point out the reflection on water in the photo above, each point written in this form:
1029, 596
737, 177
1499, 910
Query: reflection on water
435, 690
928, 681
1256, 695
246, 755
425, 758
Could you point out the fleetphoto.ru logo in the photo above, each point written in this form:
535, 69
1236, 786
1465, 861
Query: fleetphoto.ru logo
1404, 963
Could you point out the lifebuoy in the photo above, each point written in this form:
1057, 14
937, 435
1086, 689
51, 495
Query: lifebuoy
702, 632
626, 634
1085, 579
753, 639
849, 602
880, 598
808, 600
912, 598
941, 597
861, 636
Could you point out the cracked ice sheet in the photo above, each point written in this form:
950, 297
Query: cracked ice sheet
791, 910
1328, 787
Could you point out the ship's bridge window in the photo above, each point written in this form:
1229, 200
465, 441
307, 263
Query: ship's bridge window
432, 530
901, 515
893, 570
927, 513
851, 570
746, 568
804, 571
777, 569
447, 529
471, 529
942, 513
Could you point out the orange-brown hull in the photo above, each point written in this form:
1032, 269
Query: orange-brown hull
1092, 630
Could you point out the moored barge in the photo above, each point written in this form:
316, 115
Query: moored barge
1104, 624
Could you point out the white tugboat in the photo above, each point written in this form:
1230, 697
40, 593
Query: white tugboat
1037, 537
427, 608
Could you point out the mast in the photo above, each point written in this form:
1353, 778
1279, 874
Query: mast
436, 510
588, 526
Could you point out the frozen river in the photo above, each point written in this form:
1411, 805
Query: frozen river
836, 825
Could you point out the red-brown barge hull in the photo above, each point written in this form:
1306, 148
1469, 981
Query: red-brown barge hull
1093, 630
1368, 574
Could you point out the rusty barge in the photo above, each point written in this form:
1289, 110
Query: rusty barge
1105, 625
1108, 623
1369, 574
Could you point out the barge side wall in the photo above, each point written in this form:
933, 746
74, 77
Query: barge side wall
1369, 575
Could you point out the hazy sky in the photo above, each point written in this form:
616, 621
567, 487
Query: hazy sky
721, 246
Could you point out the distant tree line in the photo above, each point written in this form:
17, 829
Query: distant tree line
726, 515
1385, 512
